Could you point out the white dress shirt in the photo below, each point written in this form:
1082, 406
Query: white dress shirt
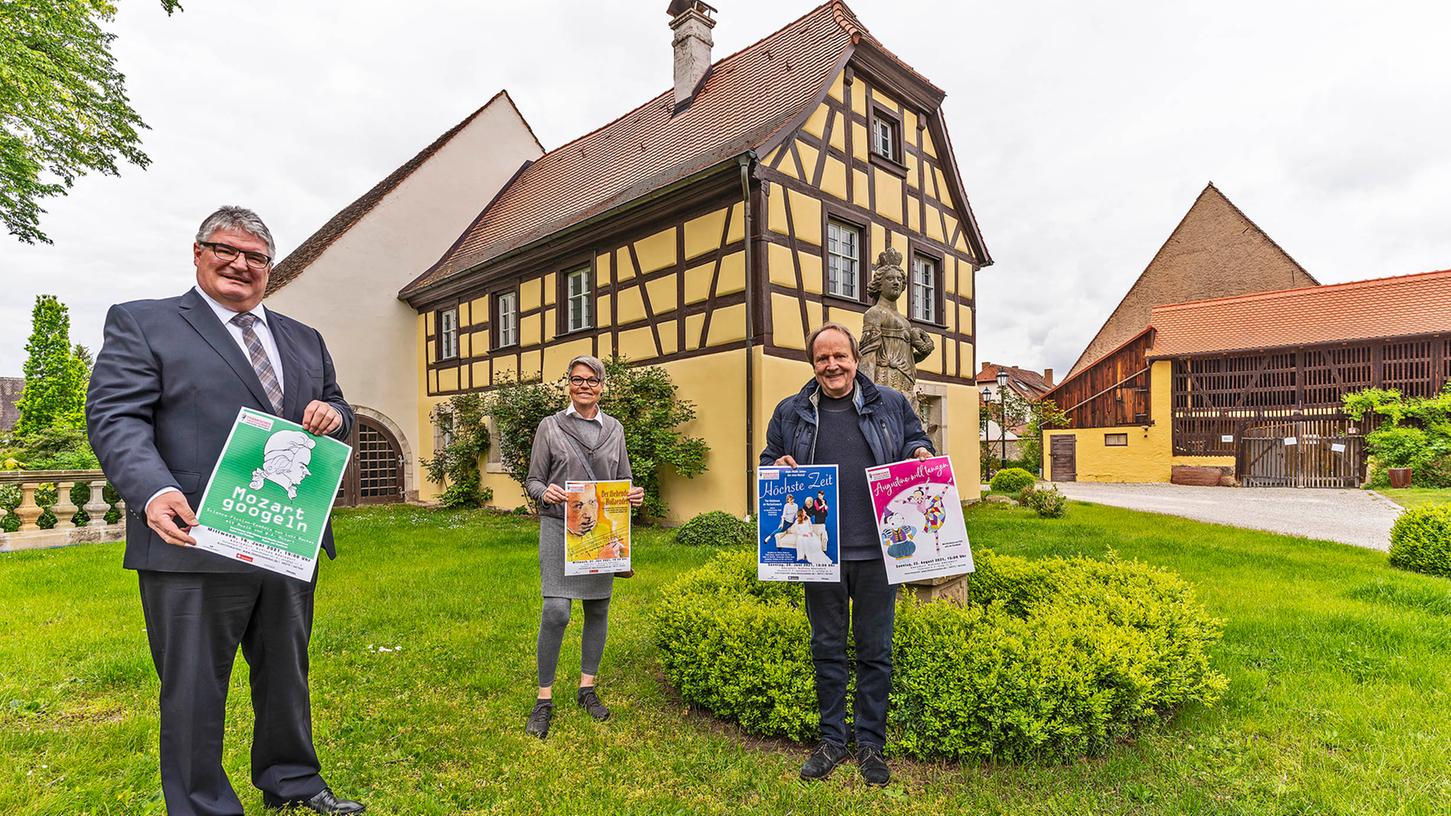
598, 418
264, 335
261, 327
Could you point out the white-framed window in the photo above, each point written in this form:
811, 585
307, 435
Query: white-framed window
506, 318
886, 138
924, 289
843, 259
448, 333
579, 303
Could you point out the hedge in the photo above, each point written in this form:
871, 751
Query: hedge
716, 529
1052, 659
1421, 540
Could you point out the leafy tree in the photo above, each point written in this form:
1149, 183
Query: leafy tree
1411, 432
63, 105
518, 407
55, 376
466, 440
643, 399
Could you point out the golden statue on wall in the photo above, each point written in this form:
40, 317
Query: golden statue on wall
891, 346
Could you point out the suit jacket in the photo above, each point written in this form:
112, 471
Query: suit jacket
164, 393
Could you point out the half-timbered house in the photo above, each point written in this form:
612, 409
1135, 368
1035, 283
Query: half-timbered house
1252, 384
709, 230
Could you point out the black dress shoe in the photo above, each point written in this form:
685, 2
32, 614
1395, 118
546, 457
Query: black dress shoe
323, 802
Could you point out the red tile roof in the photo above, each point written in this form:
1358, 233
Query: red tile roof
1358, 310
746, 99
1028, 382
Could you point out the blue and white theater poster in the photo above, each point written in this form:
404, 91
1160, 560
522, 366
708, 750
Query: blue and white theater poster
796, 524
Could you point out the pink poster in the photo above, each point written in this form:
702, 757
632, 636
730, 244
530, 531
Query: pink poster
919, 519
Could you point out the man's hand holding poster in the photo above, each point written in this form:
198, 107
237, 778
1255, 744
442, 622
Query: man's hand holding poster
270, 495
796, 524
919, 518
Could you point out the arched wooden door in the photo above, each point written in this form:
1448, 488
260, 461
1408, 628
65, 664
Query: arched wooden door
375, 472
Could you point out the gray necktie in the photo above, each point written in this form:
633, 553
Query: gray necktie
260, 363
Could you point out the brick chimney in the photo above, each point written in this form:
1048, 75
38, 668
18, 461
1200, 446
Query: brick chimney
1048, 377
691, 21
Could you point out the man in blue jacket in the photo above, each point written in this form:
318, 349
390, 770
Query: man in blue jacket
840, 417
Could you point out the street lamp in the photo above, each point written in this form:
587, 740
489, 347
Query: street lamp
987, 401
1003, 416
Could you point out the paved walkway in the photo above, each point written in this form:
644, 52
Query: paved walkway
1357, 517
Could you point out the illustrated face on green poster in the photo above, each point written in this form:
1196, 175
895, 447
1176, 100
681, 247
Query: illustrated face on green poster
273, 489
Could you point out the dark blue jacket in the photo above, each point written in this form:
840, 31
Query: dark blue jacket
885, 417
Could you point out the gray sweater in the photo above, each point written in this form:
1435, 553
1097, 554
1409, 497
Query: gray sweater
555, 459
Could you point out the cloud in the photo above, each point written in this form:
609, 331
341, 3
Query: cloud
1084, 131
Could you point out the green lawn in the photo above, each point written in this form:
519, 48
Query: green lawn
1339, 697
1409, 497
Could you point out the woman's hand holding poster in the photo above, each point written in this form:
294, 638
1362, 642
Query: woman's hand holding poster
919, 518
796, 524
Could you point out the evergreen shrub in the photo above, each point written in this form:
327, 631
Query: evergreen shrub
1052, 659
716, 529
1011, 480
1421, 540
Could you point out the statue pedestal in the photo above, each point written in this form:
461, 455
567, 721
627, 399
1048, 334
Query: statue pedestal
952, 588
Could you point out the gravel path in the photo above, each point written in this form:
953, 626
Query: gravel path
1359, 517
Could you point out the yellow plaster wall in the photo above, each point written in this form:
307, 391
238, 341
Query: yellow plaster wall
656, 251
816, 124
716, 384
703, 234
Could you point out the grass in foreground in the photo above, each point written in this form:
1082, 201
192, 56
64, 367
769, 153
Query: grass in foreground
1412, 497
1339, 698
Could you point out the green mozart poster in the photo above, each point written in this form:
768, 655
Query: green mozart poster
270, 495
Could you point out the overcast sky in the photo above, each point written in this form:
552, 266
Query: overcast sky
1083, 130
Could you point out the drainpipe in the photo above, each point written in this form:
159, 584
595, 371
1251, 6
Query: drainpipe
746, 160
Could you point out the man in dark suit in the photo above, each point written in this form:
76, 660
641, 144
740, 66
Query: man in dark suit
164, 394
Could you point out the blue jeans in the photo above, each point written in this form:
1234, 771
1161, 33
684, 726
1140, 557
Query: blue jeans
863, 589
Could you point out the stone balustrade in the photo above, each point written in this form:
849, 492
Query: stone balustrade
62, 507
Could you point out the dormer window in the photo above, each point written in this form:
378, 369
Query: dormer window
886, 140
885, 128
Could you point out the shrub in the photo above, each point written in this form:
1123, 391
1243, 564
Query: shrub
1421, 540
1011, 480
1051, 659
716, 528
1047, 502
456, 464
645, 401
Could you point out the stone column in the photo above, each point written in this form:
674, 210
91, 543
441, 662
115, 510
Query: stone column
64, 508
28, 511
97, 507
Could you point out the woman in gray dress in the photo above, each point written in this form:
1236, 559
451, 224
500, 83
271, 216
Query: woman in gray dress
580, 443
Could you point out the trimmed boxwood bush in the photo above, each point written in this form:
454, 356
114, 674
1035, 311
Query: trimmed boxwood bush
1011, 480
716, 529
1051, 659
1421, 540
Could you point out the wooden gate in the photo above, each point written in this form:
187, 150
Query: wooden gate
375, 471
1301, 453
1063, 458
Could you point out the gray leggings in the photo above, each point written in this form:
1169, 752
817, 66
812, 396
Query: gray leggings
551, 634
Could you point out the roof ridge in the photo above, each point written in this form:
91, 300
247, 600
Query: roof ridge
1080, 363
1260, 230
345, 219
1322, 287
